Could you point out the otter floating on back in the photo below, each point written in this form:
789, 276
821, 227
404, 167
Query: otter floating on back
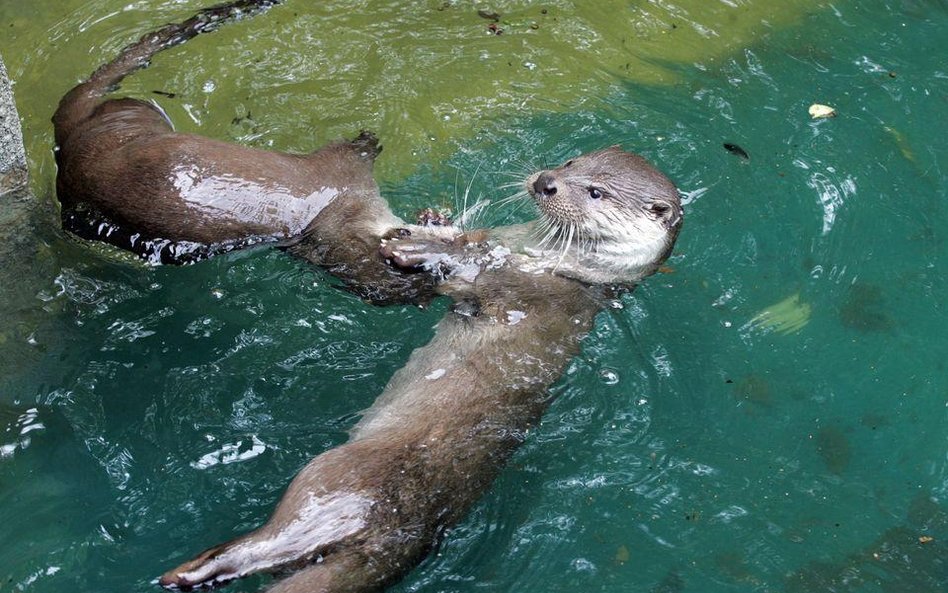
359, 516
127, 178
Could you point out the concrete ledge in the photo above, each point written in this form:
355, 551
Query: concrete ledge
12, 156
26, 329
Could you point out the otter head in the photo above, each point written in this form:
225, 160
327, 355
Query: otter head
613, 216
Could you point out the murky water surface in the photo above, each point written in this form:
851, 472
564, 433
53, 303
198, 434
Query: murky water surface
771, 414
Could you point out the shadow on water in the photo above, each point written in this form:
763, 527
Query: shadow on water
909, 557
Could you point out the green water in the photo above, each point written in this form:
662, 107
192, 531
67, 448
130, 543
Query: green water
769, 415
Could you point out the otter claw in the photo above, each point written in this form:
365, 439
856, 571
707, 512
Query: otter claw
432, 217
406, 255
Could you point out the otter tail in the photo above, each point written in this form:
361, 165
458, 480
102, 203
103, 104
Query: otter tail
80, 102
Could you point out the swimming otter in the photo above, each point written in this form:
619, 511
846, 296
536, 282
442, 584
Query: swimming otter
126, 177
359, 516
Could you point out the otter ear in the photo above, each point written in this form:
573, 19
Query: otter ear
664, 211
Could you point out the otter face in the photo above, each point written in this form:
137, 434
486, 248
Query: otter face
611, 209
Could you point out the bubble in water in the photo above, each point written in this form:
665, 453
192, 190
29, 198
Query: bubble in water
608, 376
583, 565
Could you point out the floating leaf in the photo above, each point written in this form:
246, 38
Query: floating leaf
818, 111
902, 142
622, 555
786, 317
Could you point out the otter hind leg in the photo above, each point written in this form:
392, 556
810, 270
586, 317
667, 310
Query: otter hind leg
342, 572
304, 528
324, 510
360, 567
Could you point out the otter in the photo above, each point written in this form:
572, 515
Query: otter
359, 516
126, 177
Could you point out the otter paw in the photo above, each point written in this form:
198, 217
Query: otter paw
412, 254
432, 217
367, 145
456, 260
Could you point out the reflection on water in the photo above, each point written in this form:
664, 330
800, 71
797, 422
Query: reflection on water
768, 415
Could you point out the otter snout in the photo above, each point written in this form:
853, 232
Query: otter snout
545, 185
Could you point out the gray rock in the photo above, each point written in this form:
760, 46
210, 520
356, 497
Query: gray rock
22, 271
17, 206
12, 155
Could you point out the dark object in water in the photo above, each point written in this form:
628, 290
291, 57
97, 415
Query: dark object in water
865, 309
896, 561
834, 448
736, 150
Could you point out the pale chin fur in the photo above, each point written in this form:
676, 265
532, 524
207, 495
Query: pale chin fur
629, 253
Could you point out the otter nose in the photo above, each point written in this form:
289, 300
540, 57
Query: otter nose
545, 185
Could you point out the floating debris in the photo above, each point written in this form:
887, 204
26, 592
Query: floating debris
786, 317
818, 111
622, 555
736, 150
902, 142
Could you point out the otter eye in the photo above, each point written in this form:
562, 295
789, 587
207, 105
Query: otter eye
568, 163
595, 193
660, 208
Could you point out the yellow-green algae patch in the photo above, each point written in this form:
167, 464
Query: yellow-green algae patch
427, 76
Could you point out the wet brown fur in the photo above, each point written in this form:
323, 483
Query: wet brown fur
428, 448
439, 433
445, 423
126, 177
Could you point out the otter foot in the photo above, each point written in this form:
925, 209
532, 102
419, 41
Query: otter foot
456, 263
327, 507
315, 524
366, 144
336, 513
431, 256
432, 217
